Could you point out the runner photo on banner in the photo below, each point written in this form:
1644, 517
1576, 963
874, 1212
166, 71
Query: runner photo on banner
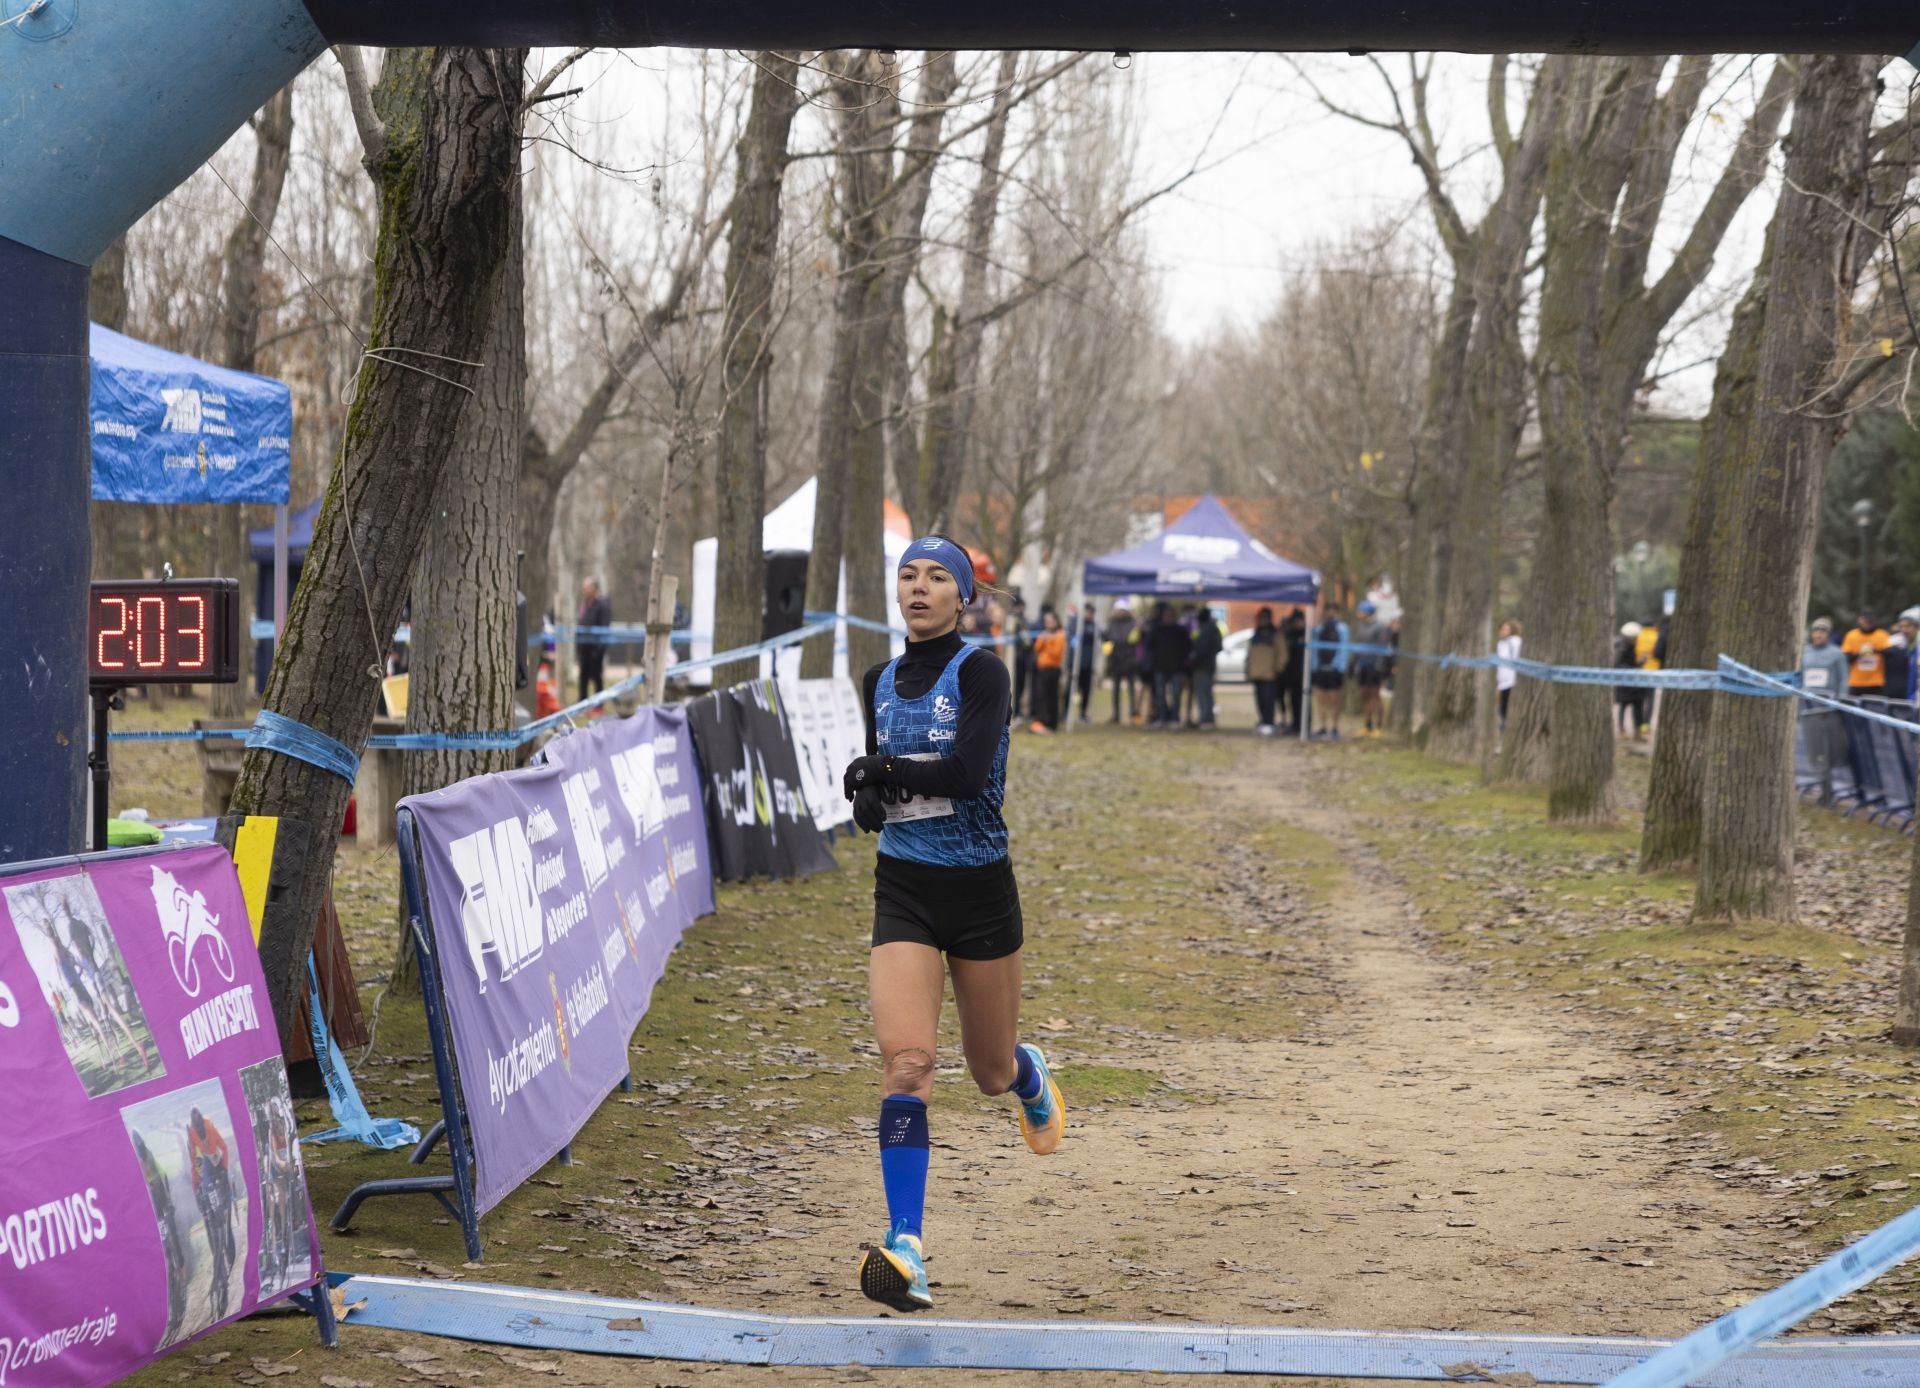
556, 894
828, 732
134, 1029
756, 803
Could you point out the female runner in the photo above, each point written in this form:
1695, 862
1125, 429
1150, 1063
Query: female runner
931, 785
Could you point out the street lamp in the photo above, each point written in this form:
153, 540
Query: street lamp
1862, 511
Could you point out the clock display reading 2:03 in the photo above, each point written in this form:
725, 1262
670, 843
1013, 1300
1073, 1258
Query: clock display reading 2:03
178, 631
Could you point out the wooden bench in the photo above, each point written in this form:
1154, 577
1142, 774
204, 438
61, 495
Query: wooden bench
378, 788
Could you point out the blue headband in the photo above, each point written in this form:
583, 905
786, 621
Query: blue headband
948, 556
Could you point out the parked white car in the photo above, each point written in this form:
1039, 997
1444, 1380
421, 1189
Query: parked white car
1231, 667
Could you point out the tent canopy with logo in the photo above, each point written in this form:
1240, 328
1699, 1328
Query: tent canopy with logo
1204, 554
169, 429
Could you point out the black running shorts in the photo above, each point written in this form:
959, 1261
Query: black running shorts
1329, 679
967, 912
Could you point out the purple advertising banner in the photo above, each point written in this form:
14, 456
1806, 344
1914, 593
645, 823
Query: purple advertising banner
557, 893
153, 1186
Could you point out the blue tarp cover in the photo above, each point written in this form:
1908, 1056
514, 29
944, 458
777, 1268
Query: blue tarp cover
1203, 554
167, 428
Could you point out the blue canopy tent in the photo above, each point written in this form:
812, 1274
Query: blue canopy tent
168, 429
1204, 554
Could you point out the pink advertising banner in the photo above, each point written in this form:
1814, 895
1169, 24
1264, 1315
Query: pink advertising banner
151, 1186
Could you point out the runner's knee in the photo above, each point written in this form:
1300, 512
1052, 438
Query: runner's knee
994, 1076
909, 1072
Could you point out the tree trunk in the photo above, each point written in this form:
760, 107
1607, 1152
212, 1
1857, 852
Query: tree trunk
955, 363
1486, 436
1746, 842
1670, 833
461, 675
245, 256
864, 167
445, 179
1606, 106
539, 485
740, 471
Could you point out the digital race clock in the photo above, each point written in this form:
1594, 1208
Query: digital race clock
172, 631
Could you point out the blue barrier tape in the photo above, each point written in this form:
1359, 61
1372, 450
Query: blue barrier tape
1579, 674
1714, 1343
1743, 680
349, 1110
292, 738
556, 1320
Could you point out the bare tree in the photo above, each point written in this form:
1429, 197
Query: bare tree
740, 472
1746, 847
442, 136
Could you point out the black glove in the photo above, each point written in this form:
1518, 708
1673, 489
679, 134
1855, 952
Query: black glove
866, 771
870, 809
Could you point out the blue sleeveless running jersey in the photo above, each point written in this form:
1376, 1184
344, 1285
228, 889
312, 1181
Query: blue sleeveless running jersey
974, 835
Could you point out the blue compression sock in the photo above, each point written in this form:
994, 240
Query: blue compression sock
1026, 1079
903, 1160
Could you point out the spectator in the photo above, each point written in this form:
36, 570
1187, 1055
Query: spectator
1627, 697
1329, 666
595, 611
1022, 646
1908, 686
1293, 674
1649, 647
1168, 648
1084, 640
1121, 668
1823, 670
1370, 670
1265, 655
1049, 656
1863, 646
1206, 658
1507, 648
546, 692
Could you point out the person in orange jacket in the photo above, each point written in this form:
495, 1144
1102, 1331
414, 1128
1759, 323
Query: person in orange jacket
546, 692
1049, 662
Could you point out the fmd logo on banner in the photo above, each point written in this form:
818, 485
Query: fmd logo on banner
154, 1187
556, 894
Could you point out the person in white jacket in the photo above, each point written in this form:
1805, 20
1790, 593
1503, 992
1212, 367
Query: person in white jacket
1508, 646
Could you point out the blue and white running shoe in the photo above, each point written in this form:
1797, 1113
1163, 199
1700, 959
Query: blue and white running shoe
894, 1275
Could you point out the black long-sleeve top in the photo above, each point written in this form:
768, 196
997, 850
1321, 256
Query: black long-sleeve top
986, 704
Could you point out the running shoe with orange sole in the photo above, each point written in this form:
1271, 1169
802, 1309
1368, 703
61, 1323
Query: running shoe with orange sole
893, 1273
1044, 1123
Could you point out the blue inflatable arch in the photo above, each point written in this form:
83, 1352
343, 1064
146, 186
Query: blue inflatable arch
106, 105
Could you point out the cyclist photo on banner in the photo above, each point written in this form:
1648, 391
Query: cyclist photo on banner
63, 932
286, 1230
199, 1193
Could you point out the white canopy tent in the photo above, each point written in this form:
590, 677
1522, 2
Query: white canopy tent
790, 526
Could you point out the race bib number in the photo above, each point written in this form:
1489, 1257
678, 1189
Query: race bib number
1867, 663
1814, 679
921, 806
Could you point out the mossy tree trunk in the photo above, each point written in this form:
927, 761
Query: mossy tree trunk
444, 172
1670, 832
746, 349
1746, 842
461, 675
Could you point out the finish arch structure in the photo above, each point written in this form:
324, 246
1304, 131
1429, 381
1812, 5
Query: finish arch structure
107, 105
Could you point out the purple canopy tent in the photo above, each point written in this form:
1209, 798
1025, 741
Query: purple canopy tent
1204, 554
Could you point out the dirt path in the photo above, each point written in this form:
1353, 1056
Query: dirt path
1431, 1153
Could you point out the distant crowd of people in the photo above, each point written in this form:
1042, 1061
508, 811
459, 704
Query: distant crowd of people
1868, 662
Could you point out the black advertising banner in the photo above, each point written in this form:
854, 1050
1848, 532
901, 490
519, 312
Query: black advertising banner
757, 813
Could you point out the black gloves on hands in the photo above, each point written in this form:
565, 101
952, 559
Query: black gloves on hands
866, 771
870, 808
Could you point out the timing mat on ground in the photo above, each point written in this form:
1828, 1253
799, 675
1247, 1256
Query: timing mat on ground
576, 1321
